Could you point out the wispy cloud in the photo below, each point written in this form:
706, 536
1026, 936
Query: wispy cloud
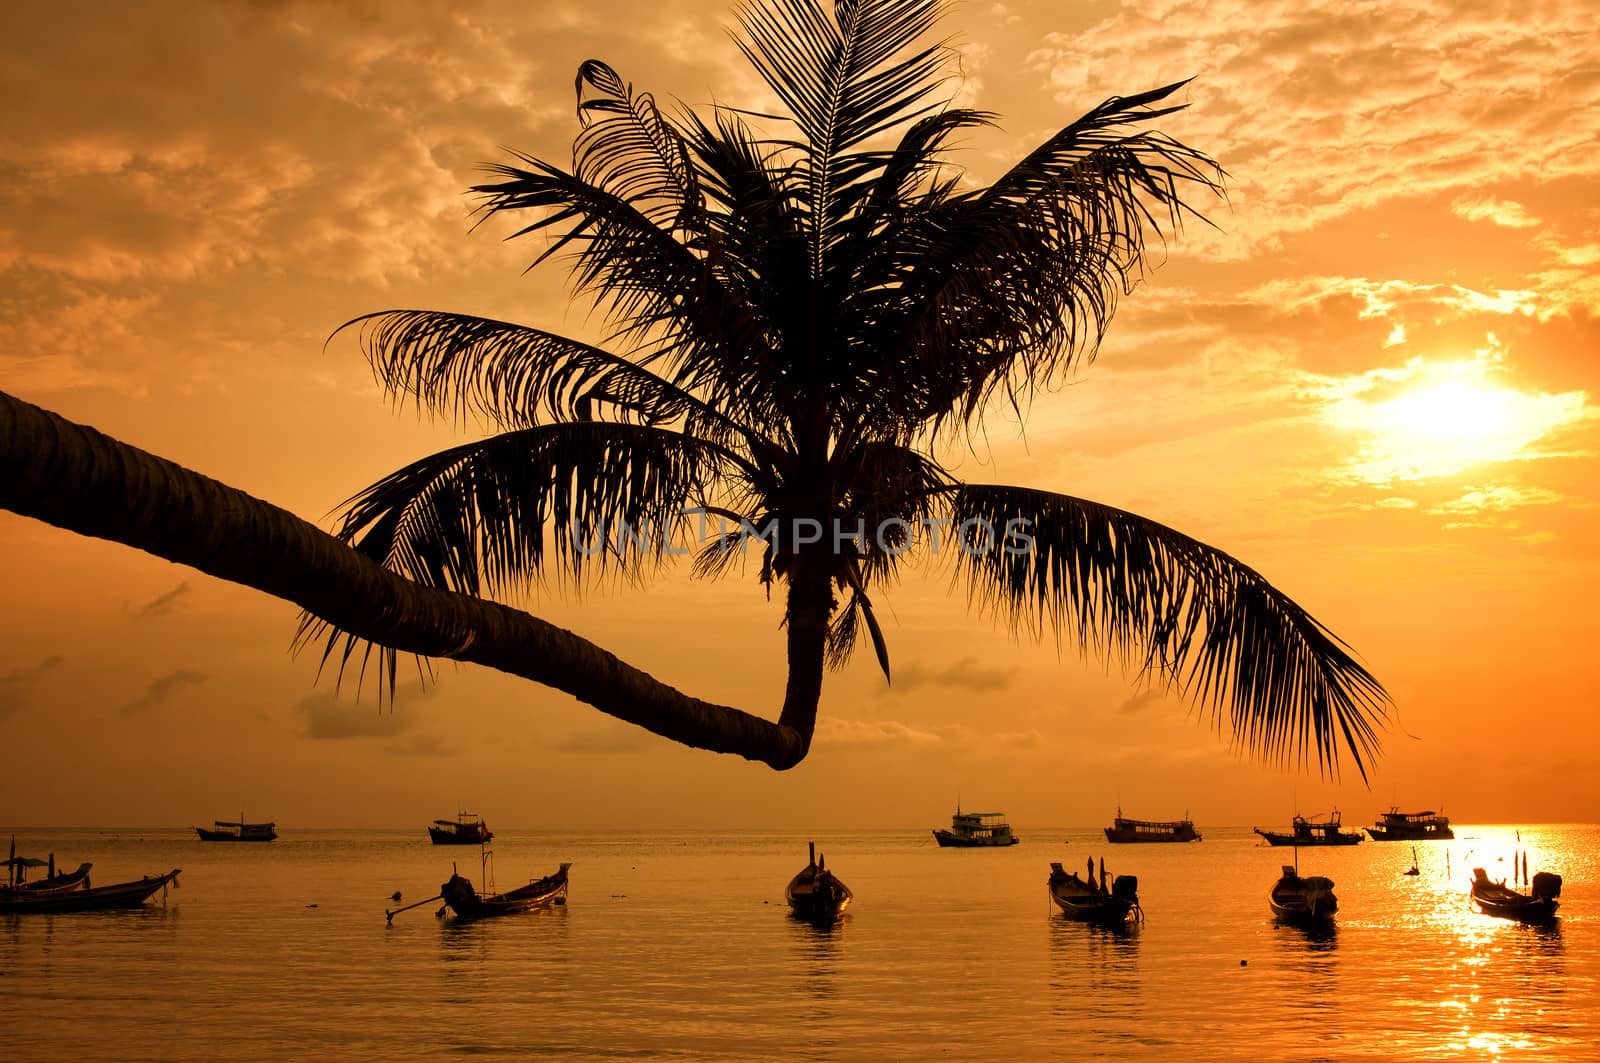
335, 714
1142, 702
162, 690
605, 740
14, 684
964, 674
165, 603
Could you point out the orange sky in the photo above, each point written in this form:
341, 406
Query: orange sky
1374, 383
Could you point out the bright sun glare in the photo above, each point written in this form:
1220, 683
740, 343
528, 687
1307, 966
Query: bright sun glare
1430, 420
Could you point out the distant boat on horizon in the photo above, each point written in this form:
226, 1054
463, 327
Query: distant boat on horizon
976, 830
238, 831
1397, 826
468, 828
1124, 830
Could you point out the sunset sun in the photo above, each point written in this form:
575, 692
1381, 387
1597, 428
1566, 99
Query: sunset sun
1431, 420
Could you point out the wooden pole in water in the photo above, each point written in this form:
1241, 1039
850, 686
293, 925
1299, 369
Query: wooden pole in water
390, 915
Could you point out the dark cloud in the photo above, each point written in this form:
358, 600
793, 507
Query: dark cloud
162, 690
15, 683
964, 674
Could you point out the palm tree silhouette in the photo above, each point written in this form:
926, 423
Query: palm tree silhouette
801, 307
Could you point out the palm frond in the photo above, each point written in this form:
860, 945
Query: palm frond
1186, 613
485, 517
839, 76
516, 376
1009, 287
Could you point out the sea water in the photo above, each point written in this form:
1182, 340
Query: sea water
680, 946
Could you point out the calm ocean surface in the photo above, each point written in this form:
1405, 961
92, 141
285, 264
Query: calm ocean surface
680, 946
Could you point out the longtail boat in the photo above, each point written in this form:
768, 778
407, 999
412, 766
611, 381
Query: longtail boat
816, 893
1092, 901
1306, 902
461, 898
89, 899
1496, 898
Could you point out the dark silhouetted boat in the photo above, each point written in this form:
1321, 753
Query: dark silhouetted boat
1324, 831
1123, 830
1496, 898
238, 831
816, 893
87, 899
1303, 901
466, 829
1089, 900
460, 897
1397, 826
976, 830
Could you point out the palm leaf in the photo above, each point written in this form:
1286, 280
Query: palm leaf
1187, 613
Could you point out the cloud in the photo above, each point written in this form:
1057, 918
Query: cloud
330, 716
836, 733
416, 746
14, 684
163, 604
605, 740
1479, 500
964, 674
162, 690
1322, 112
1142, 702
1504, 212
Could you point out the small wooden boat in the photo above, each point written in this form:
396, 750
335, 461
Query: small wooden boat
1124, 830
466, 829
89, 899
459, 896
1303, 901
1090, 901
1321, 831
238, 831
816, 893
976, 830
1496, 898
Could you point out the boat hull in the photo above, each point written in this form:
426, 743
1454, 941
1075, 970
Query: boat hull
1498, 900
948, 840
241, 832
1390, 834
1278, 838
454, 837
467, 905
1303, 901
98, 898
1129, 836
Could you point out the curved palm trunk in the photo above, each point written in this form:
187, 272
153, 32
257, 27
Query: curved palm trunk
810, 607
79, 479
